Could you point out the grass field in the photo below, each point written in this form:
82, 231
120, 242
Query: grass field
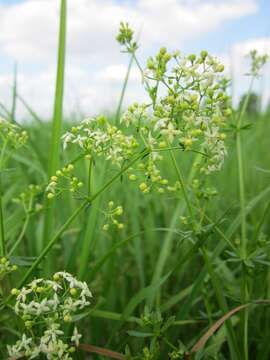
163, 266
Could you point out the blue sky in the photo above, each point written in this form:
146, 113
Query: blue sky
255, 25
95, 67
252, 26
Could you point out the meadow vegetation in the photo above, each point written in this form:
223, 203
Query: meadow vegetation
143, 234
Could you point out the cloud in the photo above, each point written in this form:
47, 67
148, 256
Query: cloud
29, 29
95, 68
240, 67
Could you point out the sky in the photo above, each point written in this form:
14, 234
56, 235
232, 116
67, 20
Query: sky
95, 67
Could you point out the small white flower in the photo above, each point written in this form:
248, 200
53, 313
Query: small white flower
76, 336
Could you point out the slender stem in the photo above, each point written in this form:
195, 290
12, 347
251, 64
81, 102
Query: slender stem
119, 107
14, 96
17, 243
52, 242
182, 183
86, 202
241, 184
223, 306
54, 151
2, 227
90, 168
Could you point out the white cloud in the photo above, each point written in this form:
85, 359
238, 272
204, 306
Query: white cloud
240, 67
95, 68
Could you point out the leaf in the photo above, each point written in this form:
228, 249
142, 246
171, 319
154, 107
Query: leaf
101, 351
22, 260
203, 340
139, 334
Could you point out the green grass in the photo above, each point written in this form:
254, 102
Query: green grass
112, 268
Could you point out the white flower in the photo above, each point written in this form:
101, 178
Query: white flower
170, 132
23, 294
76, 336
67, 138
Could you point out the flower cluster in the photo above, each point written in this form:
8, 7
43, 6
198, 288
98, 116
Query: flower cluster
201, 191
97, 137
188, 105
6, 267
125, 37
43, 306
12, 134
112, 213
257, 62
64, 179
149, 177
27, 197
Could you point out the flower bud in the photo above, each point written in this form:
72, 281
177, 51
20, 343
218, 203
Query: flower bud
220, 68
204, 53
143, 186
67, 318
56, 277
119, 210
73, 291
15, 292
70, 167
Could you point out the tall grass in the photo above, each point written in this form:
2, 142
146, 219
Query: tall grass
55, 146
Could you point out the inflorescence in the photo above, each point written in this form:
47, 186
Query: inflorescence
44, 306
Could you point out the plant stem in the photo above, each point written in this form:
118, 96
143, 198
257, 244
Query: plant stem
52, 242
182, 183
54, 154
241, 184
86, 202
2, 227
17, 243
119, 107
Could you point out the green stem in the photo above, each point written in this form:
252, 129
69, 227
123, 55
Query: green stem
90, 168
119, 107
241, 184
2, 227
54, 154
52, 242
87, 241
17, 243
86, 202
235, 354
220, 298
14, 95
182, 183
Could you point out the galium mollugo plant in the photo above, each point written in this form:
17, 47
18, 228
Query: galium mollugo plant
44, 306
112, 214
12, 135
187, 110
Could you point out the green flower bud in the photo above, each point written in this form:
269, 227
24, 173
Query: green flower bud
220, 68
204, 53
15, 292
73, 291
163, 51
